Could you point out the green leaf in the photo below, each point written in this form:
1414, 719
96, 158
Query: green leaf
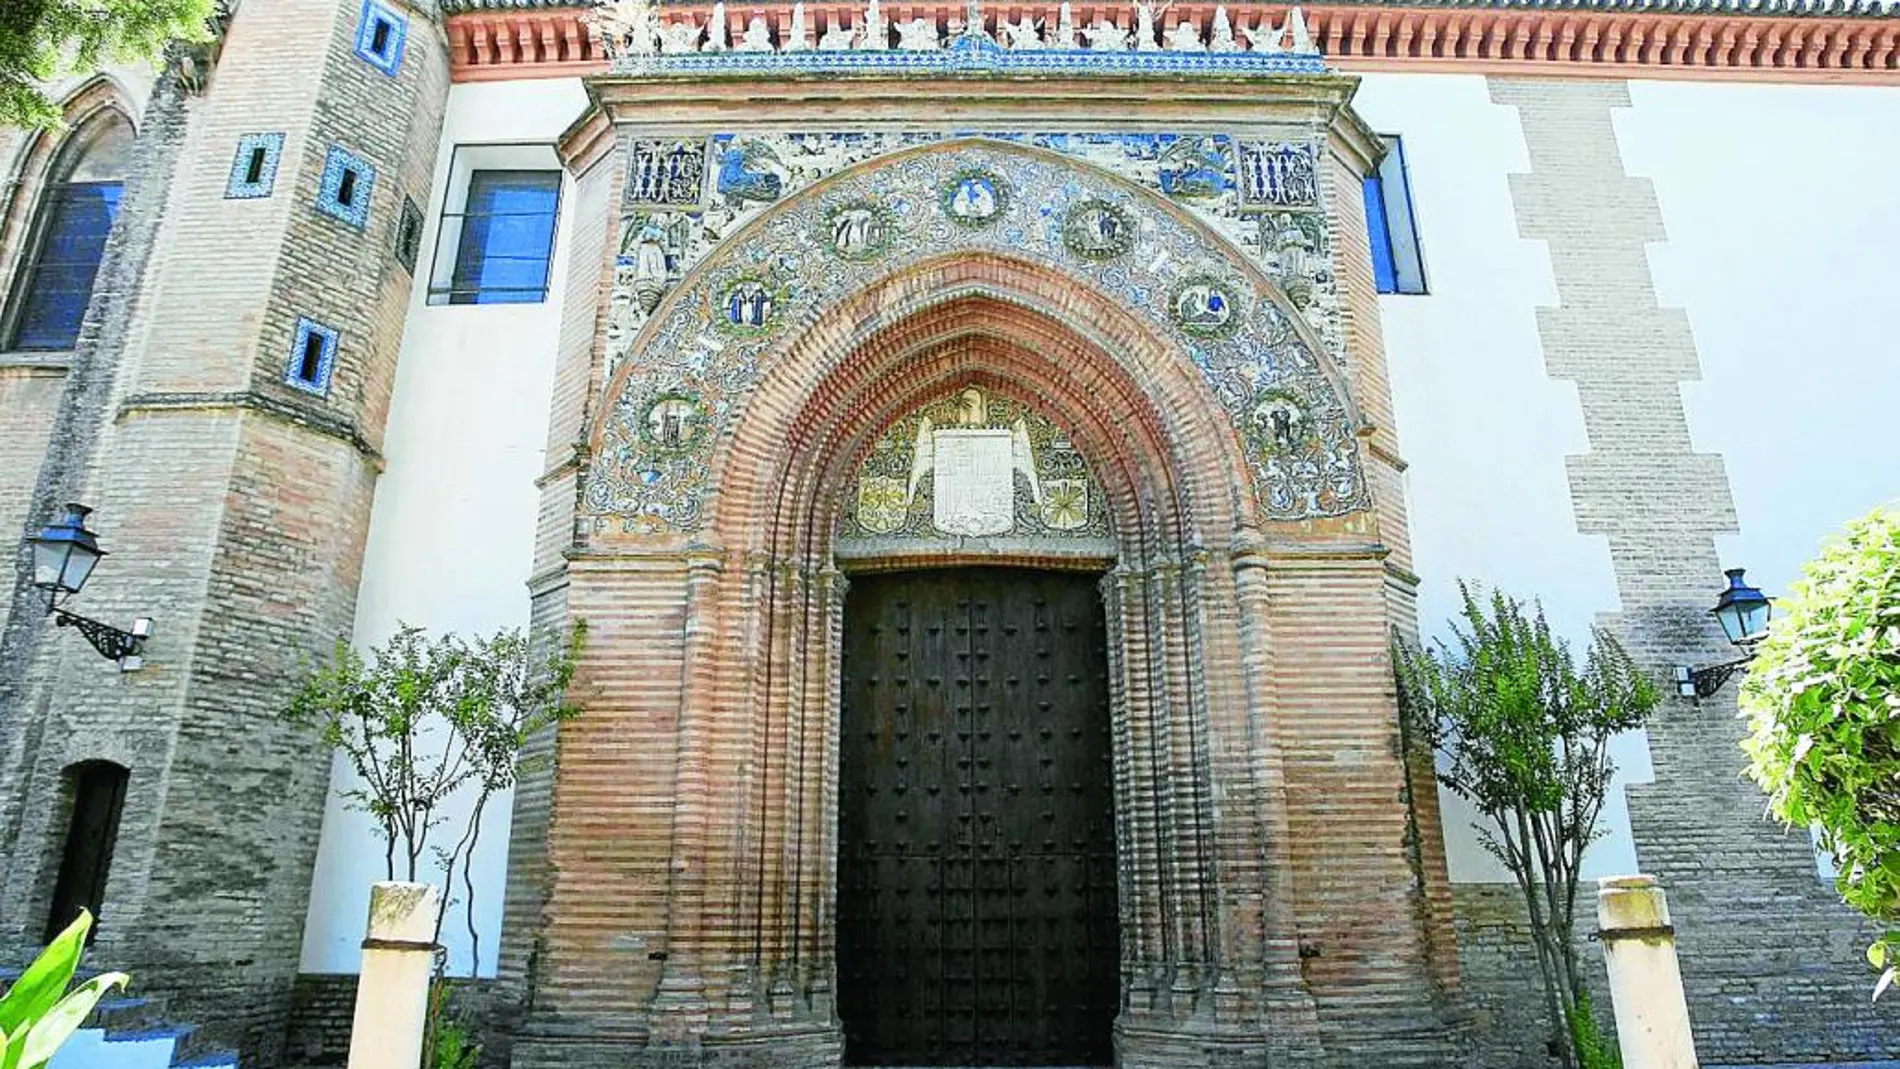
53, 1030
1877, 955
39, 988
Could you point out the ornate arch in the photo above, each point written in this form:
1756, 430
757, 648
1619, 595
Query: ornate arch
819, 274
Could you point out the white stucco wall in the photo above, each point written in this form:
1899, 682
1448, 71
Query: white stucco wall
1780, 250
452, 529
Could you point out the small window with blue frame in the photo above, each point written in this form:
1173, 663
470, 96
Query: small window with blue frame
380, 35
1398, 266
502, 239
312, 357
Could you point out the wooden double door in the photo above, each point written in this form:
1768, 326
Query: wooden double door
977, 921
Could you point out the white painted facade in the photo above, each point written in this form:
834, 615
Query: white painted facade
1779, 248
452, 530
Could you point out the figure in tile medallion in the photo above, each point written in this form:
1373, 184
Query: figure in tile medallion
1097, 230
1204, 306
858, 230
975, 198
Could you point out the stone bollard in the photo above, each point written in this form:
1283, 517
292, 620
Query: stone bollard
1639, 944
392, 994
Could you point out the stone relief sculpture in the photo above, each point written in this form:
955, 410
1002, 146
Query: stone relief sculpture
757, 38
635, 31
1064, 37
1145, 27
1023, 36
876, 35
677, 38
1221, 37
1105, 36
917, 35
1184, 37
799, 38
837, 38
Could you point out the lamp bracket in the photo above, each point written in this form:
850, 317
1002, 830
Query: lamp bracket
112, 643
1704, 682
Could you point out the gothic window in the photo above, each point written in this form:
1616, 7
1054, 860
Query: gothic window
1397, 264
97, 789
76, 213
504, 238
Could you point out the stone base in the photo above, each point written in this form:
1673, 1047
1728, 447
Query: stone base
763, 1050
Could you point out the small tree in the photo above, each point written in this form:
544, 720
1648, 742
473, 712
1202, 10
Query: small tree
1523, 733
422, 720
40, 40
1823, 702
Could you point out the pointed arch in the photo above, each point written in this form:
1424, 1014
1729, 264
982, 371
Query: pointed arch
61, 203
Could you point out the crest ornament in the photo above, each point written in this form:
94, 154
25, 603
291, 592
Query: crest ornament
673, 423
858, 230
1094, 229
747, 306
664, 173
1204, 306
975, 197
1065, 503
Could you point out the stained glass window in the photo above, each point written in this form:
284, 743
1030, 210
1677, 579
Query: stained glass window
76, 215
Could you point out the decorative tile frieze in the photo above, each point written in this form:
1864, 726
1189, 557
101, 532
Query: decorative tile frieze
715, 340
254, 166
750, 173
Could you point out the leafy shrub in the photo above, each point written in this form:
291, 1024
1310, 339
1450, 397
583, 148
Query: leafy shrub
37, 1014
1823, 701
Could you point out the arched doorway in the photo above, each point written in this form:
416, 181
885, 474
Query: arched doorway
977, 920
697, 849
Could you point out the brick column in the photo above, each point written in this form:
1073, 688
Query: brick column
236, 507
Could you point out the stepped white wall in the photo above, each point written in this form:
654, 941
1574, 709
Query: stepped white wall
452, 530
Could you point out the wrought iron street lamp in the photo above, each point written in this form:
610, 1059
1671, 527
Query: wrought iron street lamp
64, 555
1743, 612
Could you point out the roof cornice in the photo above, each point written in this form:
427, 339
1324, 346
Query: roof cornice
1832, 41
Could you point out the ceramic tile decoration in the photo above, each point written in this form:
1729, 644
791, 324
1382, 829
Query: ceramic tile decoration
381, 34
749, 173
713, 340
345, 189
254, 166
312, 357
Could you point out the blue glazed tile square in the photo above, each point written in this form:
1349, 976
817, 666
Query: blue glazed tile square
345, 189
254, 168
380, 36
312, 357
